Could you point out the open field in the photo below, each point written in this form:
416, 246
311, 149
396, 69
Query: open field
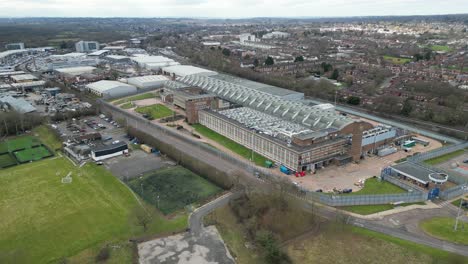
156, 111
127, 105
457, 203
6, 160
93, 209
445, 157
176, 188
374, 186
396, 60
19, 143
135, 98
440, 48
230, 144
22, 149
442, 227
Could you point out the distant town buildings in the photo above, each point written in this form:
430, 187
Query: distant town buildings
15, 46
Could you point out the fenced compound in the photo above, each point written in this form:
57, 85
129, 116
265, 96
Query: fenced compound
437, 152
163, 134
21, 150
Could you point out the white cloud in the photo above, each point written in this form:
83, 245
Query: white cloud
228, 8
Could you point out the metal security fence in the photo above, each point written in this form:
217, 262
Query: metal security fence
453, 192
162, 132
437, 152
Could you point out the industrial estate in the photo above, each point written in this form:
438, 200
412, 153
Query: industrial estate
130, 150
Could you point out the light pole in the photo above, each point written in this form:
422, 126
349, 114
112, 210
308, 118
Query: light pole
464, 187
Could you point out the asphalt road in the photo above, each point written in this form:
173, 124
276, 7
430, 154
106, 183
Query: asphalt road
390, 122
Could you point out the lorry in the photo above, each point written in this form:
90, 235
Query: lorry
285, 170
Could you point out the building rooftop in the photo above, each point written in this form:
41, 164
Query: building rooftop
117, 57
98, 53
312, 117
23, 77
28, 84
413, 171
184, 70
105, 85
76, 70
18, 104
11, 52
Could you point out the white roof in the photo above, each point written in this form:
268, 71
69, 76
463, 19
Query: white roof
76, 70
69, 55
98, 53
23, 77
184, 70
148, 81
116, 57
151, 59
114, 47
103, 86
11, 52
28, 84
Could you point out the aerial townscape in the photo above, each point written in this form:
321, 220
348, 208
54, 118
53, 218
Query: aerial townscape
230, 138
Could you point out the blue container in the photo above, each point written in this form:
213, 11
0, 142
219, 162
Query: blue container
285, 170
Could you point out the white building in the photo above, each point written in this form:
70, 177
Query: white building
184, 70
247, 37
148, 82
154, 63
276, 34
110, 151
87, 46
74, 71
111, 89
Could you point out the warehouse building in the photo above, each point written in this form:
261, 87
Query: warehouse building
86, 46
18, 104
23, 78
154, 63
109, 151
111, 89
15, 46
29, 86
287, 132
75, 71
184, 70
148, 82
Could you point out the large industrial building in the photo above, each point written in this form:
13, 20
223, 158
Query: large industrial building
184, 70
270, 121
111, 89
148, 82
154, 63
86, 46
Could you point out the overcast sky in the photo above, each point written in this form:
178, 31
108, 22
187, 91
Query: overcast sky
228, 8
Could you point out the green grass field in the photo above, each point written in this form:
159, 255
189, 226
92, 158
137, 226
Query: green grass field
156, 111
444, 158
396, 60
7, 160
374, 186
19, 143
230, 144
176, 187
441, 48
127, 105
457, 203
442, 227
32, 154
135, 98
48, 220
48, 137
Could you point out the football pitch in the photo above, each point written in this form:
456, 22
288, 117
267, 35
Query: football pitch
172, 189
43, 219
21, 150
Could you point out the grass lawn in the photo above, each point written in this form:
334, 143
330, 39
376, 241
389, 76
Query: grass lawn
440, 48
372, 209
396, 60
445, 157
155, 111
176, 187
374, 186
457, 203
32, 154
48, 220
48, 137
230, 144
135, 98
442, 227
7, 160
19, 143
127, 105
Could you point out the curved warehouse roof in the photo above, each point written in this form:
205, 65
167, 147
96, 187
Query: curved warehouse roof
184, 70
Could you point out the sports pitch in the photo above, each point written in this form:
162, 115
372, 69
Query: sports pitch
176, 188
21, 150
44, 219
